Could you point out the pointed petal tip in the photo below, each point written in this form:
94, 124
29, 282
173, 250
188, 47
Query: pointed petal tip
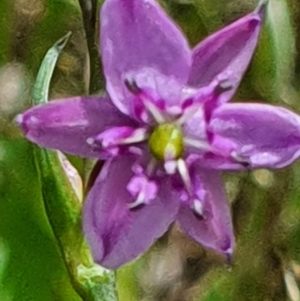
114, 233
227, 248
61, 43
261, 8
229, 256
19, 120
107, 264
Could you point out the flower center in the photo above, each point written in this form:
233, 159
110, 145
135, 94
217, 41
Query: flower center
166, 142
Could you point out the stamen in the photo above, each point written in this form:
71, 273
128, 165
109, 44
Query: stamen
239, 159
154, 110
198, 207
139, 201
223, 86
137, 169
132, 86
188, 113
138, 135
198, 144
135, 150
144, 117
174, 110
142, 189
184, 173
119, 136
170, 167
112, 150
151, 167
148, 104
90, 141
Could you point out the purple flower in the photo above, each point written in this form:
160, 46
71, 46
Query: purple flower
165, 131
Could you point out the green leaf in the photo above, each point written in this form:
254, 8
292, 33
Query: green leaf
42, 83
32, 267
127, 282
272, 70
62, 205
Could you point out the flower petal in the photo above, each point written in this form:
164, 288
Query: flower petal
227, 53
194, 126
264, 135
66, 124
115, 233
136, 34
161, 87
214, 230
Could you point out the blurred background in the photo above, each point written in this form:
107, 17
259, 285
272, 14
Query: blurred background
43, 255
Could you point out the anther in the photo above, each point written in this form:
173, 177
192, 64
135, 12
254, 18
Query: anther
90, 141
170, 167
238, 159
132, 86
223, 86
140, 200
198, 207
